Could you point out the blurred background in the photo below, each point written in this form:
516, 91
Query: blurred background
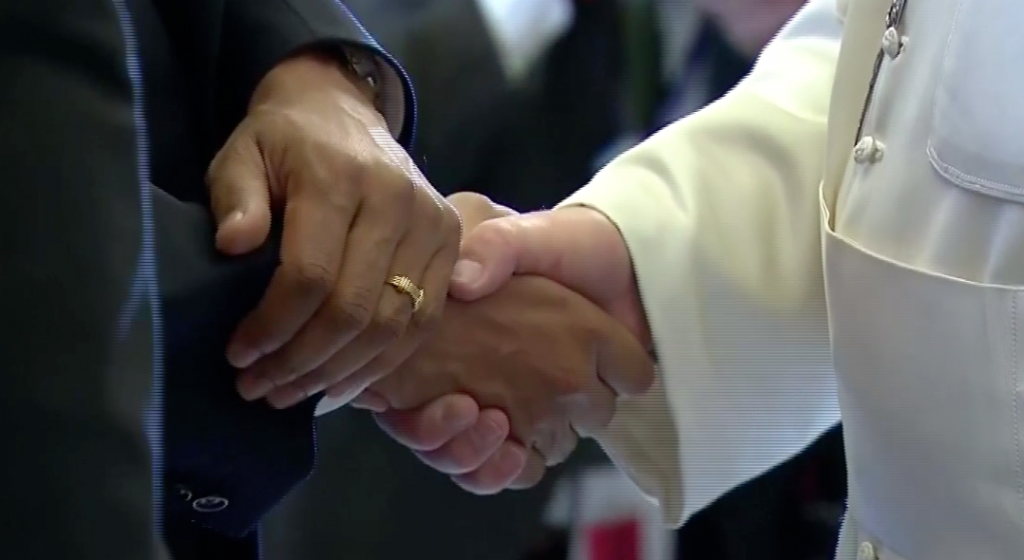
523, 100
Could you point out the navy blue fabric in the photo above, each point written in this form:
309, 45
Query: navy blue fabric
220, 463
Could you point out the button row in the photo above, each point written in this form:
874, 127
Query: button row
870, 150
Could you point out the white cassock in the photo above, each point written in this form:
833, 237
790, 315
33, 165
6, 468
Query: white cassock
844, 231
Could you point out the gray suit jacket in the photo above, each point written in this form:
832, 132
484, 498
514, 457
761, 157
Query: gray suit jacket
115, 305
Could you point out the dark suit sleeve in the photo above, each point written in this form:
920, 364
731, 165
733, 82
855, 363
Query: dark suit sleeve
77, 369
229, 45
228, 461
463, 93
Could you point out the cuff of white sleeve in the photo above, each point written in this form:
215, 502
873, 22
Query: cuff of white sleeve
644, 438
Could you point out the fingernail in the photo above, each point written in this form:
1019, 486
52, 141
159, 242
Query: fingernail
512, 458
467, 272
330, 404
252, 387
284, 398
229, 219
456, 419
490, 432
241, 356
370, 400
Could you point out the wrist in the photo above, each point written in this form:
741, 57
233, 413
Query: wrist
317, 72
475, 208
605, 254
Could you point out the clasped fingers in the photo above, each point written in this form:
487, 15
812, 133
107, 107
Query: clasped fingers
388, 288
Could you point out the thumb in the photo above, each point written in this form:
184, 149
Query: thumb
240, 196
489, 256
574, 246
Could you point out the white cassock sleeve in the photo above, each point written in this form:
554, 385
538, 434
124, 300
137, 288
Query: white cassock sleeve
720, 213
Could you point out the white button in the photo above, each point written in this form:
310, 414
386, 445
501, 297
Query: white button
868, 150
866, 551
892, 42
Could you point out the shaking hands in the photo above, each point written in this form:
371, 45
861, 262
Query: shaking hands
520, 365
356, 213
542, 335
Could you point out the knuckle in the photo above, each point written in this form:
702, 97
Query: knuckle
351, 172
337, 177
569, 382
384, 240
470, 201
281, 369
363, 379
396, 393
310, 385
213, 170
402, 399
427, 318
391, 187
545, 441
470, 484
644, 382
451, 223
605, 412
432, 215
353, 311
279, 118
502, 231
309, 277
462, 458
285, 124
388, 327
258, 334
567, 444
531, 474
530, 425
498, 235
218, 173
383, 388
405, 433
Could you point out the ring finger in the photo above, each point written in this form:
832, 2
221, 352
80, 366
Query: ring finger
343, 316
369, 372
393, 316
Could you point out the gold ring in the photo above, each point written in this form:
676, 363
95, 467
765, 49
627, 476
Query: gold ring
405, 285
